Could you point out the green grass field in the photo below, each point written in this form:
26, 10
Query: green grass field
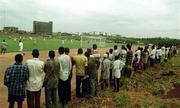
46, 44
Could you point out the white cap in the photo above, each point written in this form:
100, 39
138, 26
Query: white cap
91, 56
105, 55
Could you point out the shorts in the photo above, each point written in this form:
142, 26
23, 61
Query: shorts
13, 98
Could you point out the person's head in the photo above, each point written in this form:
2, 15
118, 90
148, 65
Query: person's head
107, 54
115, 47
146, 47
3, 40
128, 46
61, 50
20, 41
67, 51
135, 55
89, 50
94, 46
116, 57
18, 58
80, 51
111, 51
153, 47
123, 47
35, 53
139, 48
51, 54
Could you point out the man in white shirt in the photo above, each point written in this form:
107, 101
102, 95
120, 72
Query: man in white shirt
152, 55
20, 46
123, 53
138, 52
35, 81
158, 54
117, 67
65, 69
115, 52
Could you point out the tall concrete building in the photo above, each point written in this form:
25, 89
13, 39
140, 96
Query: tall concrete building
43, 27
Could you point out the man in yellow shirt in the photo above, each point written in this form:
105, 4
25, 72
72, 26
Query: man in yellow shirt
81, 62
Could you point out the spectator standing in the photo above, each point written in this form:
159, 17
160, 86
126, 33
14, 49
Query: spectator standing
35, 81
81, 62
15, 79
145, 56
93, 75
67, 51
123, 54
64, 73
152, 55
111, 67
128, 64
115, 52
117, 67
51, 69
159, 54
105, 71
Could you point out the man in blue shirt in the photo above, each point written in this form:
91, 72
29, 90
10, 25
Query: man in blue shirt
15, 79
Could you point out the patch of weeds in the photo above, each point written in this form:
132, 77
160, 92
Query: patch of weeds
104, 93
146, 103
176, 82
121, 100
158, 89
160, 104
124, 84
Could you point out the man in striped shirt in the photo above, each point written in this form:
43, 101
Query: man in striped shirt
128, 64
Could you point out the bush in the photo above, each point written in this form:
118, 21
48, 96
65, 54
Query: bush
121, 100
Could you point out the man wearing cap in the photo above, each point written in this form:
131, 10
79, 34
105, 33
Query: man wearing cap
105, 71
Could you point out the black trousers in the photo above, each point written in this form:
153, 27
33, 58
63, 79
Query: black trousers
116, 84
69, 89
33, 99
63, 91
128, 72
110, 77
152, 61
80, 92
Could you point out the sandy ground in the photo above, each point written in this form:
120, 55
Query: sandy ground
8, 59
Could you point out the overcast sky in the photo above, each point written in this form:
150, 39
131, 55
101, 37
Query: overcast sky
135, 18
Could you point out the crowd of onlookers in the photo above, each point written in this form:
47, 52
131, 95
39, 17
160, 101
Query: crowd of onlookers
27, 80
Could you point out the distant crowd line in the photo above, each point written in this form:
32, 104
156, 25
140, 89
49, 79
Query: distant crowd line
27, 80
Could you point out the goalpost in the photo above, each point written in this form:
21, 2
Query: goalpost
88, 41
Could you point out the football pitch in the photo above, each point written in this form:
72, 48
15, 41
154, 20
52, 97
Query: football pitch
44, 44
